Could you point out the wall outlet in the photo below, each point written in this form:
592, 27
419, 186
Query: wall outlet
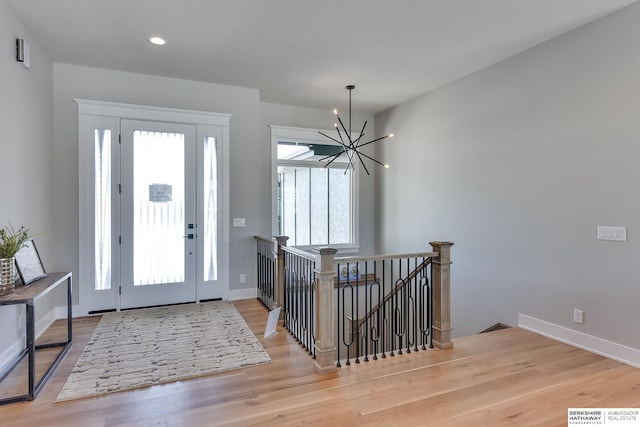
578, 316
239, 222
243, 278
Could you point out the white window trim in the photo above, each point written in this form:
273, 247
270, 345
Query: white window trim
87, 108
312, 136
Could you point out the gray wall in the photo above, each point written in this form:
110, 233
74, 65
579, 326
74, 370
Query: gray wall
286, 115
25, 150
517, 164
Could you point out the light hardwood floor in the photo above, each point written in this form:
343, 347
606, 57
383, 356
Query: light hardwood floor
508, 377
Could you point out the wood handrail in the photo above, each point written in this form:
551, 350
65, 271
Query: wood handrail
353, 259
299, 252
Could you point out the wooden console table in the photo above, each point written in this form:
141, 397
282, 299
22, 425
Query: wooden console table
28, 295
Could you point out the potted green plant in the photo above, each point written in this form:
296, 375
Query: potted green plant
12, 241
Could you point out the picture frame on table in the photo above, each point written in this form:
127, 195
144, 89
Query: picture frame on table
29, 263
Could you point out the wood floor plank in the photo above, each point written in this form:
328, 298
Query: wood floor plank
506, 377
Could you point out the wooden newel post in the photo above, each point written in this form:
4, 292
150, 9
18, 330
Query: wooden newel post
278, 286
441, 282
325, 361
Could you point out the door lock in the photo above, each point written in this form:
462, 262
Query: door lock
190, 236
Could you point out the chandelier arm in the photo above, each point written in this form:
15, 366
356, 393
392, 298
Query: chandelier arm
333, 139
370, 158
375, 140
345, 131
344, 145
345, 148
357, 140
361, 161
330, 156
350, 155
332, 160
353, 153
335, 156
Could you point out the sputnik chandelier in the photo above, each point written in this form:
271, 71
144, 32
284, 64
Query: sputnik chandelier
351, 147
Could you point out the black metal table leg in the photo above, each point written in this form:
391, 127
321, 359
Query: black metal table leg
31, 346
69, 316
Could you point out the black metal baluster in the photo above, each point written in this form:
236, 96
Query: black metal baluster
347, 319
385, 321
430, 289
313, 306
408, 313
424, 312
300, 303
309, 307
296, 299
287, 305
394, 307
365, 328
376, 340
271, 278
339, 315
355, 311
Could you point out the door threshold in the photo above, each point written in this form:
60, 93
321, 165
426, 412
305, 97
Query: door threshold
154, 306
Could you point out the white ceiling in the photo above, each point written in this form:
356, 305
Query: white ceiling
304, 52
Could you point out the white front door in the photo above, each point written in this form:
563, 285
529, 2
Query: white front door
158, 213
153, 220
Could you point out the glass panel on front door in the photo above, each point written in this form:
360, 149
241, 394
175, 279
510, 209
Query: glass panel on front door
158, 214
158, 208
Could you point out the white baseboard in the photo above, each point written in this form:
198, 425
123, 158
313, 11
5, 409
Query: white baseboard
44, 322
609, 349
234, 295
61, 312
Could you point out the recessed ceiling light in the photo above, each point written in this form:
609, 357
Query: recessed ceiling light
157, 40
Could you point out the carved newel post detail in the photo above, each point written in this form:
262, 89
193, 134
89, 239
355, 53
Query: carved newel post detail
278, 286
441, 282
325, 313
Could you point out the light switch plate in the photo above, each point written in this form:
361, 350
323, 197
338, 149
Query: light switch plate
617, 234
239, 222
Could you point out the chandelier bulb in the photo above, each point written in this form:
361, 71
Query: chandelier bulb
335, 112
390, 135
386, 166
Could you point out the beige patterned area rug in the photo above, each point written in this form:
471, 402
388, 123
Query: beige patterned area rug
139, 348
